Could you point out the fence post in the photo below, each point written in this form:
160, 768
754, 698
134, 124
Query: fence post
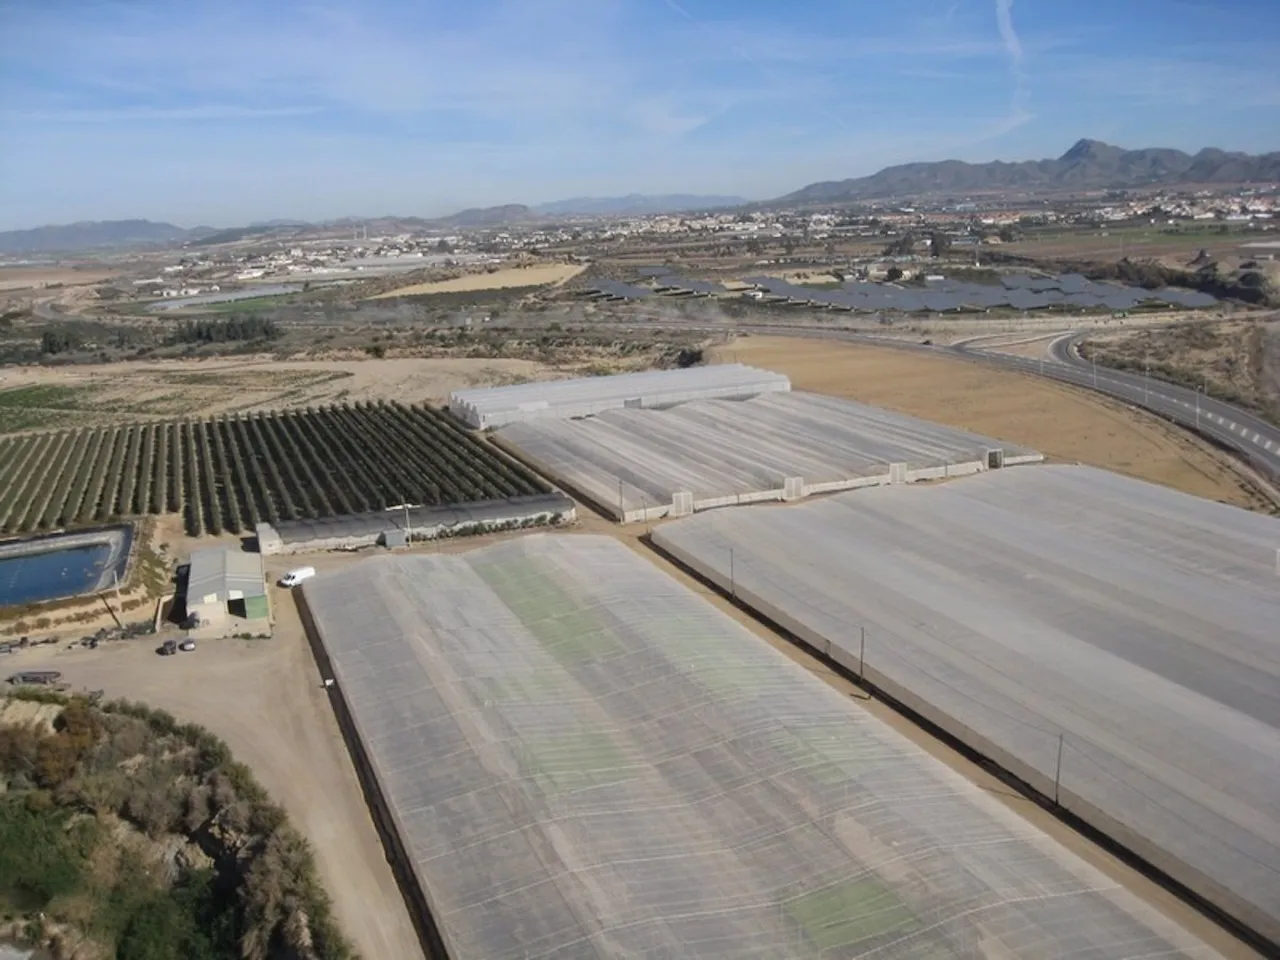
1057, 773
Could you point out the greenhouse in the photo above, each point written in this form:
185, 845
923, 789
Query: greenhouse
581, 758
1112, 643
496, 406
644, 464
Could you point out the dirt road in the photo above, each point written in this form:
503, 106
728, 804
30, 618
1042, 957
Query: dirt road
264, 698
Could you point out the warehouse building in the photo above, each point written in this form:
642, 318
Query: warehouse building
224, 583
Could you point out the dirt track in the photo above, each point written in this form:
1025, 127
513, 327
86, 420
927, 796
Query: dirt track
265, 700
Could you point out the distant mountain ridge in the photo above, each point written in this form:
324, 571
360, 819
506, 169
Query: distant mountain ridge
95, 235
1090, 164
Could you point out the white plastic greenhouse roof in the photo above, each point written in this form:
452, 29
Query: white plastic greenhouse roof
646, 464
584, 759
1139, 625
496, 406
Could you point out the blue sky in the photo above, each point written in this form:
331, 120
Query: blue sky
197, 112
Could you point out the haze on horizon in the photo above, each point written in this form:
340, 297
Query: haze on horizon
231, 112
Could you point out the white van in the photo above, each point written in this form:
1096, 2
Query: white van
295, 577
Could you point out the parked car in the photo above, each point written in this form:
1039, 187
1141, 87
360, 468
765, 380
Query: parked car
187, 645
295, 577
192, 622
168, 648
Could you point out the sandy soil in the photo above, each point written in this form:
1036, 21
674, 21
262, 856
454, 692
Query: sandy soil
265, 699
536, 276
1065, 424
22, 278
180, 387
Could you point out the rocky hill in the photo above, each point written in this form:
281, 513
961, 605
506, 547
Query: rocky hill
89, 235
1090, 164
124, 833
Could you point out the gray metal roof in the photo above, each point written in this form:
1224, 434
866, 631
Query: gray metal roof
226, 574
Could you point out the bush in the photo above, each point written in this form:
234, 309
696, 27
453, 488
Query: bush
37, 858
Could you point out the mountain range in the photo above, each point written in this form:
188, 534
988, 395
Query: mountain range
1089, 165
121, 234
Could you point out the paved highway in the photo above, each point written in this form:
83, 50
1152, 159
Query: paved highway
1257, 441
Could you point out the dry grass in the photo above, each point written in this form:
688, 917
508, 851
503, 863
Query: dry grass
536, 276
1238, 360
24, 278
1064, 423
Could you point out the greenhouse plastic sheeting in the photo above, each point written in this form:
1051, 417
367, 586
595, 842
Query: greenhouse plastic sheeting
582, 758
778, 446
356, 530
1052, 615
495, 406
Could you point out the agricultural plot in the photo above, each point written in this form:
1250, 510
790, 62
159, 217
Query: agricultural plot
643, 464
1112, 643
227, 474
582, 758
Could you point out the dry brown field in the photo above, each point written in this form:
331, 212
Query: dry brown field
1066, 424
536, 276
23, 278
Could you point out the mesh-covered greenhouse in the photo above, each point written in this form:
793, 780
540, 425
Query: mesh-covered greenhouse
581, 758
1055, 616
495, 406
646, 464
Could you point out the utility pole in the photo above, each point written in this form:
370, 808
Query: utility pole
408, 524
862, 654
733, 589
1197, 407
1095, 373
1146, 379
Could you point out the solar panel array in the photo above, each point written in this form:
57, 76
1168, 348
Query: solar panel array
584, 759
495, 406
1018, 291
635, 463
1114, 643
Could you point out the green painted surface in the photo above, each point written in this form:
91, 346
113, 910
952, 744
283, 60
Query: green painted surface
851, 913
568, 632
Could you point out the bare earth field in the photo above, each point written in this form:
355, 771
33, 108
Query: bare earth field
22, 278
138, 389
537, 276
1063, 423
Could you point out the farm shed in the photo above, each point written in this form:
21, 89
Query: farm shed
223, 583
497, 406
392, 527
572, 754
1112, 643
645, 464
